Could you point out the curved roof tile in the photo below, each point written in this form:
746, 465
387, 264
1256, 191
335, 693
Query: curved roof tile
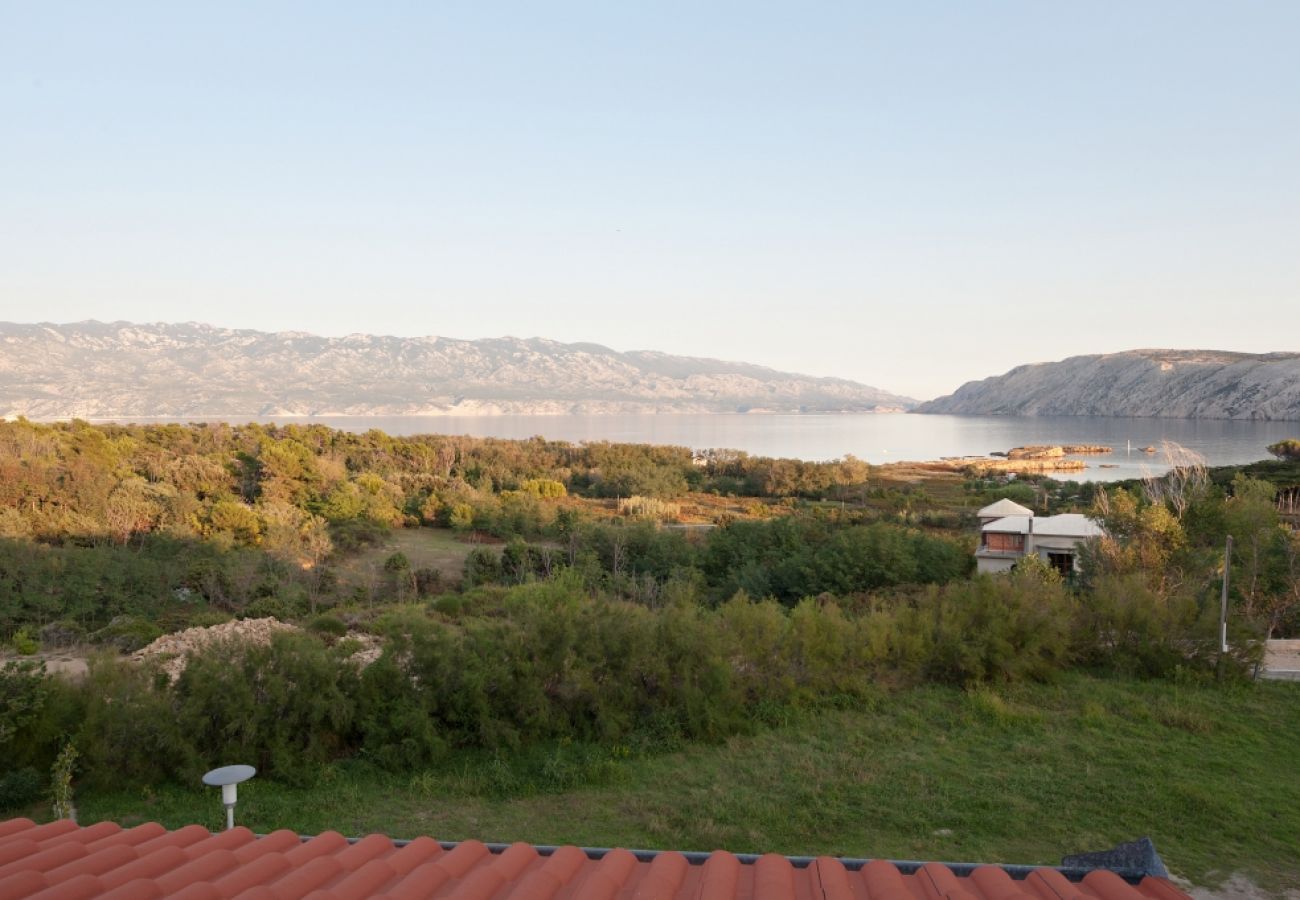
61, 861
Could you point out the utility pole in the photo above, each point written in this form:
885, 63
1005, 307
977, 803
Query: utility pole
1223, 603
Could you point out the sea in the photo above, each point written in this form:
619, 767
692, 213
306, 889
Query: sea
874, 437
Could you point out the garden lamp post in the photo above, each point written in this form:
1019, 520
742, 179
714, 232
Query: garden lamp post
228, 779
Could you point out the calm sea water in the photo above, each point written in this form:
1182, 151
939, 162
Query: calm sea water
877, 438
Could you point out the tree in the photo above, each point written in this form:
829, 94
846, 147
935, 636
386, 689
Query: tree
133, 507
316, 548
1288, 449
1259, 545
1286, 604
401, 580
235, 521
1183, 484
285, 471
1139, 538
462, 517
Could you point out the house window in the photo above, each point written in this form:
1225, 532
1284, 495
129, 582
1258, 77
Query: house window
996, 540
1061, 562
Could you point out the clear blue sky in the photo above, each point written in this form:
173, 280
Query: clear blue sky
908, 194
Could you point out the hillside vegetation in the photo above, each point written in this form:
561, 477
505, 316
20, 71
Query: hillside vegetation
535, 616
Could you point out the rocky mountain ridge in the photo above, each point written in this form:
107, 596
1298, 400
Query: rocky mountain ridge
119, 369
1194, 384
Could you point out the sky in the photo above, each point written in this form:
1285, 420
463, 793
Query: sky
910, 195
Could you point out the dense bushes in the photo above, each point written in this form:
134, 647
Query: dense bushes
86, 588
1127, 626
19, 788
789, 558
987, 629
286, 707
120, 596
514, 668
127, 730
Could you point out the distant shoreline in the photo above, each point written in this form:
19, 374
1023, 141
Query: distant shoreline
444, 414
486, 414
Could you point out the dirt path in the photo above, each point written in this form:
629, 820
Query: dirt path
69, 663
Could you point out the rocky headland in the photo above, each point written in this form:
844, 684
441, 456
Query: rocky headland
1198, 384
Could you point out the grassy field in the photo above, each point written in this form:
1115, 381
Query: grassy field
425, 548
1024, 775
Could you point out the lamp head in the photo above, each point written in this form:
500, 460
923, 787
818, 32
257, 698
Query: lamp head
227, 778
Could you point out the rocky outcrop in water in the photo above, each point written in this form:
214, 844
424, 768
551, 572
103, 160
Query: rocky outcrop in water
1192, 384
985, 465
1051, 451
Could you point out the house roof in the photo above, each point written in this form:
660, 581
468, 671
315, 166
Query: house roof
1063, 525
1003, 507
64, 861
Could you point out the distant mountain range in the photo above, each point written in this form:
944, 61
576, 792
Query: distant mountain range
119, 370
1201, 384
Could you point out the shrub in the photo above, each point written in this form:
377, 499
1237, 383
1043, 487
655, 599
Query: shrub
61, 774
544, 488
127, 633
285, 606
129, 734
991, 629
326, 625
63, 633
394, 718
482, 566
24, 644
206, 618
757, 634
36, 710
1126, 625
19, 788
351, 535
287, 707
23, 688
427, 581
449, 605
791, 558
1016, 491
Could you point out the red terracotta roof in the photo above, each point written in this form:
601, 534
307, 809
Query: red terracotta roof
64, 861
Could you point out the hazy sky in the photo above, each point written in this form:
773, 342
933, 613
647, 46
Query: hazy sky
909, 194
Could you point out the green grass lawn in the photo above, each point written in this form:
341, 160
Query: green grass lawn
1019, 776
431, 548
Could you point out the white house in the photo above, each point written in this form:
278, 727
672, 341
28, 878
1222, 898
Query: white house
1056, 539
1002, 509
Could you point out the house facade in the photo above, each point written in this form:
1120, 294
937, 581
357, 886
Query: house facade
1007, 539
